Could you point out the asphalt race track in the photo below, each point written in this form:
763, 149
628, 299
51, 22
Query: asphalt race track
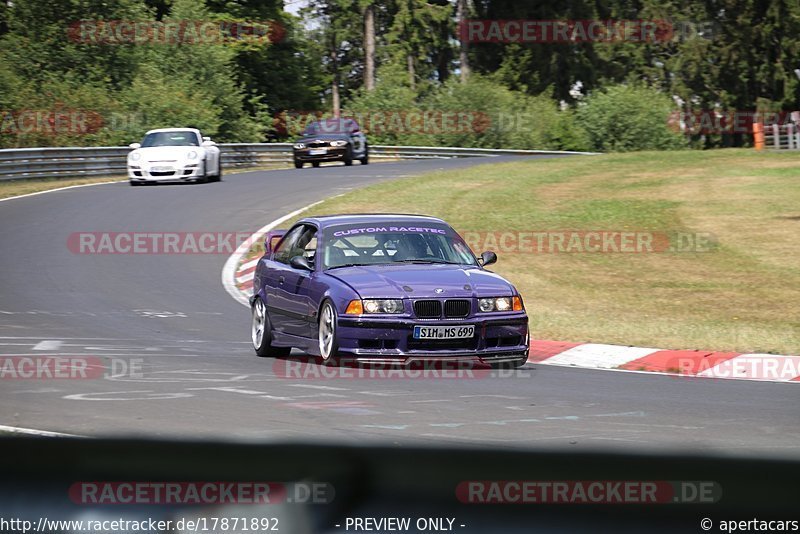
170, 316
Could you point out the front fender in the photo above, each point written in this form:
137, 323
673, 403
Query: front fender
337, 292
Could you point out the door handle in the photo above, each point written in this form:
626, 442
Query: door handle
281, 280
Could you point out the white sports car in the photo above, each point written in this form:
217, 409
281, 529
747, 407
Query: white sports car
174, 155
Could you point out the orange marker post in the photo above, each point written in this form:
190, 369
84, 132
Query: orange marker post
758, 135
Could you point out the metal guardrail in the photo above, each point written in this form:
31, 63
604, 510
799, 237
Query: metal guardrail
20, 163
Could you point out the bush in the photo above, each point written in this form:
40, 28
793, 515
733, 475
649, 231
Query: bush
481, 113
373, 111
624, 118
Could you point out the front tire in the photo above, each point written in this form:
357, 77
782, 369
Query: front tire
134, 184
261, 333
298, 164
348, 156
327, 331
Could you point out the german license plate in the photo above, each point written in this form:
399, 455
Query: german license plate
161, 169
317, 151
444, 332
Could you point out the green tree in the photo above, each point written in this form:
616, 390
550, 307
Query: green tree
419, 33
45, 40
203, 72
4, 9
537, 67
337, 27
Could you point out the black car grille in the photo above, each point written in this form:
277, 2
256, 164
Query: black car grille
317, 144
456, 308
428, 309
432, 309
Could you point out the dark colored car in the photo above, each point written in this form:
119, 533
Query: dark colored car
384, 288
331, 140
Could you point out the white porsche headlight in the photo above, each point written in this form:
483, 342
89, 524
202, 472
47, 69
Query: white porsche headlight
191, 155
134, 156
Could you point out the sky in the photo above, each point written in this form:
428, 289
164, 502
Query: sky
293, 6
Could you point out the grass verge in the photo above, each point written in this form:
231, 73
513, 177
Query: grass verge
741, 294
26, 186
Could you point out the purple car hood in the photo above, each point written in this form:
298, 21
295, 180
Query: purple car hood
392, 281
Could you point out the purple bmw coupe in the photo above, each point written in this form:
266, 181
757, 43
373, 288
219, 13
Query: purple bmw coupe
384, 288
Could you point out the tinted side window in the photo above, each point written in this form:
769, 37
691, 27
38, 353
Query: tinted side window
284, 249
300, 241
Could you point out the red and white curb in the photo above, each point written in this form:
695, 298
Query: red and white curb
237, 278
689, 363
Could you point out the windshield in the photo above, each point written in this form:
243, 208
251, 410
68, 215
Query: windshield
388, 244
185, 138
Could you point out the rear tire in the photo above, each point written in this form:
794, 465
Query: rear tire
261, 333
315, 164
365, 159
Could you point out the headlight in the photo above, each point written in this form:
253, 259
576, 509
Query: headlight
383, 306
500, 304
338, 143
134, 156
299, 146
192, 155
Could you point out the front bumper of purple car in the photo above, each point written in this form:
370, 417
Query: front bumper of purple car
497, 338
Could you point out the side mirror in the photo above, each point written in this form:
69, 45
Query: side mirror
206, 139
135, 146
208, 142
488, 258
299, 262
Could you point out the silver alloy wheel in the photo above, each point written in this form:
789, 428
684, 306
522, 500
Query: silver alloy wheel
259, 320
327, 331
